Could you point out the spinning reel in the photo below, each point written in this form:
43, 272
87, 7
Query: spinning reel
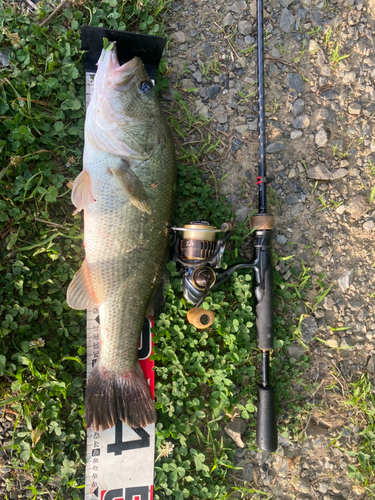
197, 250
201, 255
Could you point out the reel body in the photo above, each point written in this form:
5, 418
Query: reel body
199, 253
197, 250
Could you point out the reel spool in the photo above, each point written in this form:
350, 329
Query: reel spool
198, 240
199, 253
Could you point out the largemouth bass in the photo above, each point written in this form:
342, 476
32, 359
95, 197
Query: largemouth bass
127, 192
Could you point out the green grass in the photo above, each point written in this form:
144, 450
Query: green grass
202, 378
372, 194
333, 49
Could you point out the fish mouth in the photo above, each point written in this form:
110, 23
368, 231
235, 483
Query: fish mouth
109, 70
108, 61
123, 77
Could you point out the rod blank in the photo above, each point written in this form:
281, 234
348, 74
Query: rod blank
266, 432
261, 118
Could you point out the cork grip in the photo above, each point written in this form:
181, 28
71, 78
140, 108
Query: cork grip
262, 221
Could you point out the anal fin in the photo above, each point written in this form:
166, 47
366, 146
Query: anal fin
82, 191
80, 294
132, 187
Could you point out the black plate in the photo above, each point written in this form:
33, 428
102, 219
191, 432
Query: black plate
148, 47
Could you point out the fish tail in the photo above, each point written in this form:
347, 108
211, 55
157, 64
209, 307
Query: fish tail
111, 396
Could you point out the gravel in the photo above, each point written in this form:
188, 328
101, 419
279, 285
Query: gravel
287, 21
321, 138
245, 28
179, 37
339, 173
355, 108
238, 7
296, 134
309, 327
281, 239
248, 472
357, 207
320, 126
302, 121
294, 81
236, 429
298, 107
369, 225
213, 91
320, 173
4, 56
346, 279
208, 49
275, 147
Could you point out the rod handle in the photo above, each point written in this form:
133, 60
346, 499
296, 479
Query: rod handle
266, 432
264, 301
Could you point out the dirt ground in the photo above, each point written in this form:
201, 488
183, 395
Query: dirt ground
320, 69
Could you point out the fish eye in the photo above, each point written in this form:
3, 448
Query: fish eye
146, 87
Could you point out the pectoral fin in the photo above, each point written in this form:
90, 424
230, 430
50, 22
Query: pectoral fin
82, 191
80, 293
132, 187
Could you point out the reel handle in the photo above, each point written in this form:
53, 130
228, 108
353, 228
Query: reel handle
200, 318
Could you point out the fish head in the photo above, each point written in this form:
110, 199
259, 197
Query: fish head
124, 117
125, 89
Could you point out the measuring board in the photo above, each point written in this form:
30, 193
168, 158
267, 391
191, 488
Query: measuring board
119, 461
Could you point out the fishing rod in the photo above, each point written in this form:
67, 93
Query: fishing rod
266, 433
197, 250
